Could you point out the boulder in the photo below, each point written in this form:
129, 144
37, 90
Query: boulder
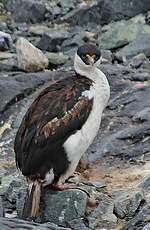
30, 58
30, 11
121, 33
102, 216
5, 41
52, 40
127, 202
60, 207
140, 220
139, 45
13, 223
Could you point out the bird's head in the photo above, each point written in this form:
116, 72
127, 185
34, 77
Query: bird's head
87, 57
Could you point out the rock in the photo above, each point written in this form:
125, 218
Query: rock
146, 227
77, 224
30, 58
4, 67
140, 77
127, 202
6, 55
38, 29
82, 15
140, 18
104, 12
107, 55
1, 208
10, 196
30, 11
13, 88
121, 33
143, 115
102, 216
52, 41
144, 183
138, 61
139, 221
140, 45
8, 223
5, 41
69, 205
147, 18
77, 40
56, 58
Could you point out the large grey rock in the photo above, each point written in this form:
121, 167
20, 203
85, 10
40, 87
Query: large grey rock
30, 11
127, 202
61, 207
140, 220
52, 40
30, 58
121, 33
102, 216
8, 223
140, 45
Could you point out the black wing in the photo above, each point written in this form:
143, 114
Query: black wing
59, 111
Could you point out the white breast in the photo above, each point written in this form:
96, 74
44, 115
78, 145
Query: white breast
78, 143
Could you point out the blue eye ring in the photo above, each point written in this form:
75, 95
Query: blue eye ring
83, 56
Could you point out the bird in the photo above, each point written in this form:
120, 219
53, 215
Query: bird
60, 125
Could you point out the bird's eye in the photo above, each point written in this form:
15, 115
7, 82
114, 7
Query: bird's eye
96, 57
83, 56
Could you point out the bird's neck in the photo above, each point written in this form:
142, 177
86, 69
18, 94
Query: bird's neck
83, 69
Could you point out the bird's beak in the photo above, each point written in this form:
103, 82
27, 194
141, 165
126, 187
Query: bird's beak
90, 60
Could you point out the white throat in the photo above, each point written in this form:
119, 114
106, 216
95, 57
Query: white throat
83, 69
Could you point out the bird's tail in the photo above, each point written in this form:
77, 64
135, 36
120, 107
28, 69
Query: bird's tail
32, 200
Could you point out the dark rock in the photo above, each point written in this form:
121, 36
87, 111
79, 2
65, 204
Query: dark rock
102, 216
68, 205
10, 196
30, 11
103, 12
8, 223
147, 18
140, 45
127, 202
5, 41
83, 15
4, 67
143, 115
77, 224
139, 221
144, 183
13, 88
1, 208
52, 41
140, 77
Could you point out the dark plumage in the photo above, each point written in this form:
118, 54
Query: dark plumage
40, 138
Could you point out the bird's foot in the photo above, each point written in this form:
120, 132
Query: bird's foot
64, 187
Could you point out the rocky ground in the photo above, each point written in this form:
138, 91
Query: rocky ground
37, 42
